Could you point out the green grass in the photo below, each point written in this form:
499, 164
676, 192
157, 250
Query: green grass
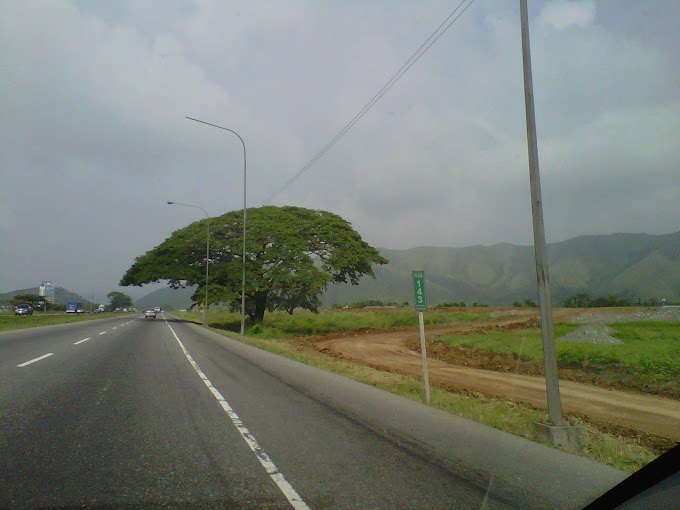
281, 325
621, 453
651, 349
10, 322
525, 342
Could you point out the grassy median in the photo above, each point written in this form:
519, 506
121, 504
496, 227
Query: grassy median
11, 322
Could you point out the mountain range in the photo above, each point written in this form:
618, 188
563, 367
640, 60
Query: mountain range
62, 296
627, 265
178, 299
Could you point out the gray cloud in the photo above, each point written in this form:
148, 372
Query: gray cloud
94, 97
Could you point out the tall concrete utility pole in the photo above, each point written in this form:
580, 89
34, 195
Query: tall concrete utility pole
547, 329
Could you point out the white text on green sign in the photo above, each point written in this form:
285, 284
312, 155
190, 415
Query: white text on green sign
419, 290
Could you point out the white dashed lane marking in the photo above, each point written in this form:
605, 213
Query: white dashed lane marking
36, 359
81, 341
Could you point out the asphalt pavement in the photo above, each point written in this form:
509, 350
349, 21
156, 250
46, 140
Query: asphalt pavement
141, 413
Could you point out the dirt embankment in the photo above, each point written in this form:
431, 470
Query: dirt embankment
510, 377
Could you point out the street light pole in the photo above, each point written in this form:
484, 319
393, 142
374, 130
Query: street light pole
245, 213
207, 255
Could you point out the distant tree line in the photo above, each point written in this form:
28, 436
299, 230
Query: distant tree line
372, 302
579, 300
402, 304
528, 303
583, 300
460, 304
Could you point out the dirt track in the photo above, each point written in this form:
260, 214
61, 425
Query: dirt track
649, 414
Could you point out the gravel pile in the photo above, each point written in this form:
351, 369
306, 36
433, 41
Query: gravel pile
595, 333
595, 329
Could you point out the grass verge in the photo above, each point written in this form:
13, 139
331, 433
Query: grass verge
622, 453
279, 325
648, 360
15, 322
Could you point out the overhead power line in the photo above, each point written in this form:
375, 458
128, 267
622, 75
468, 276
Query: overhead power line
422, 49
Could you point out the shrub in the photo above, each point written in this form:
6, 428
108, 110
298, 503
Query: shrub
366, 302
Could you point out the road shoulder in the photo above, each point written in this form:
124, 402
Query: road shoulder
516, 464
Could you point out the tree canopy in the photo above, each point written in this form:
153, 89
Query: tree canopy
583, 300
32, 299
292, 254
119, 299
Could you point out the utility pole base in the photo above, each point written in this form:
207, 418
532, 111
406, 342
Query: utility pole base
566, 436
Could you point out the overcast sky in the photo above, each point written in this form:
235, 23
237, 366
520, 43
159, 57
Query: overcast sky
94, 139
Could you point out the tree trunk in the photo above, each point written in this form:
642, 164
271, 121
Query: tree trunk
260, 307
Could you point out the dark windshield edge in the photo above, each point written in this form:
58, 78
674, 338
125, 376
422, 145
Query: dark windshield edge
650, 475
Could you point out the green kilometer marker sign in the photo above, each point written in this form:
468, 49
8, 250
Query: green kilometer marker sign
419, 290
421, 306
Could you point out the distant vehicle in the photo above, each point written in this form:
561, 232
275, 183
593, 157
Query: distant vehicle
125, 309
158, 309
149, 314
23, 309
80, 308
72, 307
100, 309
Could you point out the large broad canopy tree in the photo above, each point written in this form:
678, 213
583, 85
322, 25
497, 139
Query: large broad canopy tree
118, 299
292, 254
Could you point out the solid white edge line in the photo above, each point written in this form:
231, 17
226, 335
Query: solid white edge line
277, 477
81, 341
36, 359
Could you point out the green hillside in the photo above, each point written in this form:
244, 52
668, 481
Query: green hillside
61, 295
178, 299
630, 265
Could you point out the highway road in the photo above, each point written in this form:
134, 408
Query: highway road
134, 413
